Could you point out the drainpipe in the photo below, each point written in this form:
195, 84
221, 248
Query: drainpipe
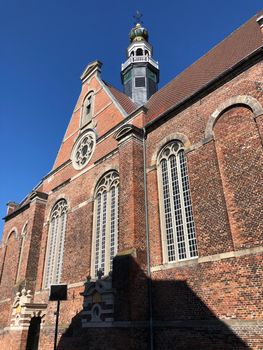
147, 243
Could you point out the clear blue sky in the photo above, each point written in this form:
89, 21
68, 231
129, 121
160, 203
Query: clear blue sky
45, 46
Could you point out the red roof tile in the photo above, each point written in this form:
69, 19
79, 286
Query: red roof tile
225, 55
127, 104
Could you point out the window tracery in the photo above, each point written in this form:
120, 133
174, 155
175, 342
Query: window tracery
177, 220
55, 246
83, 149
106, 211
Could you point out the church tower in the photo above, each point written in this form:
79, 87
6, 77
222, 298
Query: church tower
140, 72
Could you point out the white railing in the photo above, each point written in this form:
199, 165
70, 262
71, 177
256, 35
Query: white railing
134, 59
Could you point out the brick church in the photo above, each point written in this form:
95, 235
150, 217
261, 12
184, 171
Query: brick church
152, 213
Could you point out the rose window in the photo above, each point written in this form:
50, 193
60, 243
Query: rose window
83, 150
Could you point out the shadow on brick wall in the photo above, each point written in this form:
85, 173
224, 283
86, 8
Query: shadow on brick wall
181, 320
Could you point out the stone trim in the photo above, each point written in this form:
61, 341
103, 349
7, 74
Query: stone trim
90, 70
245, 100
5, 301
82, 204
13, 229
78, 142
64, 183
106, 156
128, 131
23, 310
113, 99
103, 172
209, 258
172, 137
205, 324
260, 21
54, 202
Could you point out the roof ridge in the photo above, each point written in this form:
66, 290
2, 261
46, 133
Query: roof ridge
206, 54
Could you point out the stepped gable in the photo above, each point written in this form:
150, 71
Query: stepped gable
237, 46
125, 101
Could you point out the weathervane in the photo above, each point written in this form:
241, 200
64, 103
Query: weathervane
138, 17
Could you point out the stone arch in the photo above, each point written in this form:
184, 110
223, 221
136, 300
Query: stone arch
239, 154
57, 199
9, 262
172, 137
25, 226
243, 100
13, 229
103, 172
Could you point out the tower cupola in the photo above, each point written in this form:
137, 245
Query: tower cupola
140, 72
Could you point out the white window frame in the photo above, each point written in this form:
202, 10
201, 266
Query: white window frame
104, 189
174, 148
55, 244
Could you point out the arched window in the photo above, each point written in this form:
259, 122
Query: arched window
105, 237
23, 237
87, 109
9, 263
178, 229
55, 245
139, 52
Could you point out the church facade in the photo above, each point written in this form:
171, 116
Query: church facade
152, 214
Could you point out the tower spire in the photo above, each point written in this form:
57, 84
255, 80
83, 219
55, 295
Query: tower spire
140, 72
137, 17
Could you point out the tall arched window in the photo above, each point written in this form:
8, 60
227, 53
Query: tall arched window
178, 229
87, 109
105, 237
55, 245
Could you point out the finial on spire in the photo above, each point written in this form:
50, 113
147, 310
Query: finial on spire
138, 17
138, 33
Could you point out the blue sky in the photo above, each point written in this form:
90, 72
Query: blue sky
45, 45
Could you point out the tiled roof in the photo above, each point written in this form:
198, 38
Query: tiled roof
127, 104
222, 57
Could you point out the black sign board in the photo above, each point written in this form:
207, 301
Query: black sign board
58, 292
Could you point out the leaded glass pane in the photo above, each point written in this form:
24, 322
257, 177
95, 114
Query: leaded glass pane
176, 203
167, 212
106, 222
55, 246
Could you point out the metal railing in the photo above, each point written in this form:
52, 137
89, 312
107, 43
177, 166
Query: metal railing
134, 59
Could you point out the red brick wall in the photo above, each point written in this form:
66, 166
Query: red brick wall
240, 156
224, 173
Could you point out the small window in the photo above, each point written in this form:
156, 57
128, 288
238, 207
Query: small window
87, 109
140, 82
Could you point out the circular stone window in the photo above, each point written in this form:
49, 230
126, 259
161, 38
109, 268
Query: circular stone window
83, 149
